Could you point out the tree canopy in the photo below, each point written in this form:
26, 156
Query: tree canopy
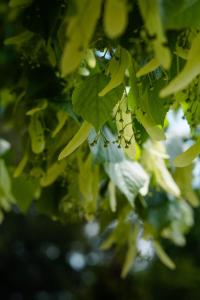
91, 92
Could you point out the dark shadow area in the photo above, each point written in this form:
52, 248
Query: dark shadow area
42, 259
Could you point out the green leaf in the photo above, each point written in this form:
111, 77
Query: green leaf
180, 14
76, 141
41, 106
183, 178
149, 67
80, 30
118, 65
90, 58
153, 158
146, 108
187, 157
6, 196
62, 118
132, 251
19, 39
129, 177
52, 173
22, 164
36, 132
88, 180
87, 103
25, 190
115, 17
189, 72
108, 242
166, 260
151, 14
112, 196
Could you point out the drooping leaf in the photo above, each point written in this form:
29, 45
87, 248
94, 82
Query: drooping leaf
76, 141
62, 118
163, 256
183, 178
93, 108
188, 73
153, 158
22, 164
115, 17
129, 177
79, 33
132, 251
190, 102
182, 219
151, 14
36, 132
19, 39
6, 196
41, 106
187, 157
89, 185
141, 105
90, 58
118, 65
149, 67
52, 173
112, 196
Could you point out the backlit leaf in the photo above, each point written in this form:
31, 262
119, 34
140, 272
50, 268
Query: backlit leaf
52, 173
112, 196
132, 251
149, 67
188, 73
22, 164
141, 105
166, 260
153, 158
76, 141
41, 106
89, 185
151, 14
118, 65
6, 196
183, 178
62, 118
79, 33
187, 157
115, 17
130, 178
36, 132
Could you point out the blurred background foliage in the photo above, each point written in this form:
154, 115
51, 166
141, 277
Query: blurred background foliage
45, 260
